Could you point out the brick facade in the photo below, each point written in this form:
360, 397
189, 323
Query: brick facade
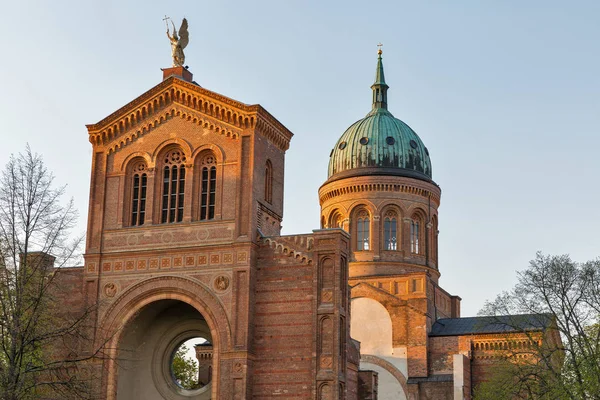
275, 309
183, 240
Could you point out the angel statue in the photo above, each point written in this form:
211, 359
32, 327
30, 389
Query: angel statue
179, 40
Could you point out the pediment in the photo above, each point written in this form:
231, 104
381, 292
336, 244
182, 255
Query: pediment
175, 98
157, 119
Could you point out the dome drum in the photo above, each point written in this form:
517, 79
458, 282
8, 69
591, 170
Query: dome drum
385, 185
380, 190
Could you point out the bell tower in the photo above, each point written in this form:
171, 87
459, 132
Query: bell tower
183, 178
380, 189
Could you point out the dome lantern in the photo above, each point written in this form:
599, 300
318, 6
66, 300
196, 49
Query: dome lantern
379, 87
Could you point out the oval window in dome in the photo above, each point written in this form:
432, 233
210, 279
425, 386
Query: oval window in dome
342, 146
390, 140
364, 140
413, 144
426, 151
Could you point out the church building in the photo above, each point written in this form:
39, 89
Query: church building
183, 241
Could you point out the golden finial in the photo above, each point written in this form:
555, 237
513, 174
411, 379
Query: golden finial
379, 51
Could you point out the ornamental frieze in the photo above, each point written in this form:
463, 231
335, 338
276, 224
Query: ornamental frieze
172, 262
149, 239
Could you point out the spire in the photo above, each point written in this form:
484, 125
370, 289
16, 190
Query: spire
379, 87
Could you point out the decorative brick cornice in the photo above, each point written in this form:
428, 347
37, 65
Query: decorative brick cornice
207, 108
150, 125
329, 192
295, 246
304, 242
266, 209
270, 130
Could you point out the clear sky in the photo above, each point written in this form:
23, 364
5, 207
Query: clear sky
505, 95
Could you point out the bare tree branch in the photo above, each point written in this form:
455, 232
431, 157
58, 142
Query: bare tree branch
568, 292
40, 341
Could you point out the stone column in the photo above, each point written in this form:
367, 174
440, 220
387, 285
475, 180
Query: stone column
429, 244
151, 193
406, 236
187, 201
124, 198
376, 237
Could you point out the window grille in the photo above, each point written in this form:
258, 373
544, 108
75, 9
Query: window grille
390, 232
208, 193
414, 236
362, 231
173, 191
138, 195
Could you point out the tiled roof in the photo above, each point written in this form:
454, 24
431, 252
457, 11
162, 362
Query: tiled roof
494, 324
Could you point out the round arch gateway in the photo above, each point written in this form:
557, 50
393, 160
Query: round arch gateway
148, 344
149, 322
372, 326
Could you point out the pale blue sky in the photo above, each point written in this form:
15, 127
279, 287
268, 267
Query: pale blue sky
505, 94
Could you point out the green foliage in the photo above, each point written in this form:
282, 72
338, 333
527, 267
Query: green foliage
185, 369
567, 364
521, 379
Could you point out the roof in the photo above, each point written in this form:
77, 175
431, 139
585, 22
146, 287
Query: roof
492, 324
382, 141
379, 75
201, 106
379, 143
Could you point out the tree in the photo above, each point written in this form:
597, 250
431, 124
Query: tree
39, 337
566, 364
185, 369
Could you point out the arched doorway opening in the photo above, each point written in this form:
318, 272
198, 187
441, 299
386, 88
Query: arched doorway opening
156, 359
372, 326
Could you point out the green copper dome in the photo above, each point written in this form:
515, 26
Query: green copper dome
380, 144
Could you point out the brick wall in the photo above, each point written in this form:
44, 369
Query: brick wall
301, 320
283, 327
367, 385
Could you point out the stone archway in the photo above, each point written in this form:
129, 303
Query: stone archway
148, 322
392, 383
372, 326
146, 348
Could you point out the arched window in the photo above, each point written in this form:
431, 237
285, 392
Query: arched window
390, 229
139, 181
269, 182
362, 230
173, 190
336, 220
208, 190
415, 235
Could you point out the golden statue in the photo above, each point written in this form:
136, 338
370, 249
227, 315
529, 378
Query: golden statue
179, 41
